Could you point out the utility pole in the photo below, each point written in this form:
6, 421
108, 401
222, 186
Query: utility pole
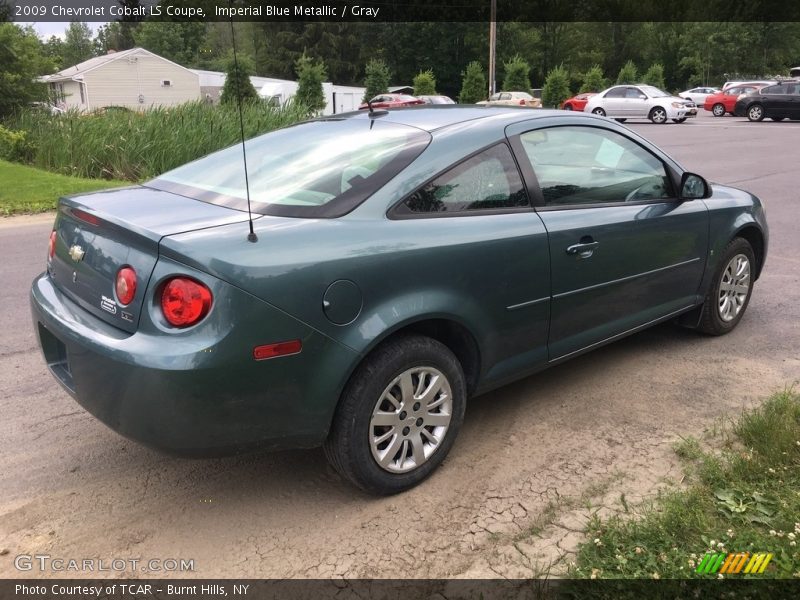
492, 46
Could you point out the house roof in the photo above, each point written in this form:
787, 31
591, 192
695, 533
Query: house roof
77, 71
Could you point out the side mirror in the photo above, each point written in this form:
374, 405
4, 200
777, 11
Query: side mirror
693, 187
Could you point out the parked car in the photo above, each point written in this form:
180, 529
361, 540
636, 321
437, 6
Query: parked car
698, 95
437, 99
396, 265
761, 82
391, 101
577, 103
47, 107
623, 102
512, 99
778, 102
724, 102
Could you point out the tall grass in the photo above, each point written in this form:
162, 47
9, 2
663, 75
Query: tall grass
139, 145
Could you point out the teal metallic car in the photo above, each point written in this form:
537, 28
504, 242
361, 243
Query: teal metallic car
400, 262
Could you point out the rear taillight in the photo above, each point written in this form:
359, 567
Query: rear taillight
51, 246
125, 285
185, 302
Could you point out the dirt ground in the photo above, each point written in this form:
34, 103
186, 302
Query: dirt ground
533, 462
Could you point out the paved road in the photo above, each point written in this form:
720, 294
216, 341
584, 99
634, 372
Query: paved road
578, 435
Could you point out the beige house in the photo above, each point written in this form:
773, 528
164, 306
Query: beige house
135, 78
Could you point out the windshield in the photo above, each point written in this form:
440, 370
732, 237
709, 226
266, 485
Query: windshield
654, 92
316, 169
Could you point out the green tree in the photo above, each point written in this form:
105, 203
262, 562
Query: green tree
22, 59
424, 83
627, 74
237, 83
517, 75
310, 75
54, 50
593, 80
376, 79
473, 84
179, 42
655, 76
78, 45
556, 87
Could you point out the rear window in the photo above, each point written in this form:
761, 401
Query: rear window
316, 169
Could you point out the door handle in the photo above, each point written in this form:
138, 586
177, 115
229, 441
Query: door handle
584, 249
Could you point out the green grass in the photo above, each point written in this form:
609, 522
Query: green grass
134, 146
28, 190
744, 497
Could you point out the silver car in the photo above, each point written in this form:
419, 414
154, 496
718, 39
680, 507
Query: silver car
623, 102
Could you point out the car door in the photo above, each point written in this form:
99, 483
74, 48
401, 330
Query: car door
636, 104
624, 252
614, 102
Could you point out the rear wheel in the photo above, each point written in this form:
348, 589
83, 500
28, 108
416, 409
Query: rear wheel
730, 290
398, 416
658, 115
777, 118
568, 107
755, 113
599, 112
620, 120
718, 110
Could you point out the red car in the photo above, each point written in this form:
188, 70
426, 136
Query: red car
577, 103
724, 101
392, 101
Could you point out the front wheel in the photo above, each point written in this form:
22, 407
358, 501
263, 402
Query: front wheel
398, 416
658, 115
620, 120
730, 290
568, 107
755, 113
599, 112
718, 110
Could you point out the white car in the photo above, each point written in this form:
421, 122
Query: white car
512, 99
698, 95
623, 102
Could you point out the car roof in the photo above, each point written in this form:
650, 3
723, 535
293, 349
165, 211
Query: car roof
433, 117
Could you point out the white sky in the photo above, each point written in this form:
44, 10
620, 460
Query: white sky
45, 29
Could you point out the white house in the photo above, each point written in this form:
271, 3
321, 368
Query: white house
135, 78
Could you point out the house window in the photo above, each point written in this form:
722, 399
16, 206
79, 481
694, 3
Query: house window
166, 83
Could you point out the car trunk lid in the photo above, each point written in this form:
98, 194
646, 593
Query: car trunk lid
97, 234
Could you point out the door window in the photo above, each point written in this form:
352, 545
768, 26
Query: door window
588, 165
488, 181
615, 93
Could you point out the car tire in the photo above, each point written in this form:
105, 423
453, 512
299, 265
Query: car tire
718, 110
599, 112
727, 300
379, 439
568, 107
682, 120
620, 120
658, 115
777, 119
755, 113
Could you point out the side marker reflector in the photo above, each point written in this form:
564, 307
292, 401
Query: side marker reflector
279, 349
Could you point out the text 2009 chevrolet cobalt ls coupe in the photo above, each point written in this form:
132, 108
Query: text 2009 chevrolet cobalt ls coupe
405, 261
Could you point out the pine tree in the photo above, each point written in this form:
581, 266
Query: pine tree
627, 74
376, 78
473, 84
238, 84
310, 75
556, 87
517, 75
593, 80
655, 76
424, 83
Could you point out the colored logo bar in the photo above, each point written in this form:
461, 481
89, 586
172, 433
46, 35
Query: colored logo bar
734, 562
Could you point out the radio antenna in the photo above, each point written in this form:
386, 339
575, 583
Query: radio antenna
251, 237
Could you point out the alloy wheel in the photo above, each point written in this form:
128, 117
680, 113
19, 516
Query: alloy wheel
718, 110
659, 115
410, 419
734, 287
755, 113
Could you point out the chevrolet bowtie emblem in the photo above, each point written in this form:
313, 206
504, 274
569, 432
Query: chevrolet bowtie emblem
76, 253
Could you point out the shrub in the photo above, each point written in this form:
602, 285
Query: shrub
628, 73
517, 75
556, 87
310, 76
15, 145
655, 76
376, 79
238, 84
473, 84
424, 83
593, 80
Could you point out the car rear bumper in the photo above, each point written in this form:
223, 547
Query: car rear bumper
193, 398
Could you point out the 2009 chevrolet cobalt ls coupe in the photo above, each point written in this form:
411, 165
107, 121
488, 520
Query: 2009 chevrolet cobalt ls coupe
405, 261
